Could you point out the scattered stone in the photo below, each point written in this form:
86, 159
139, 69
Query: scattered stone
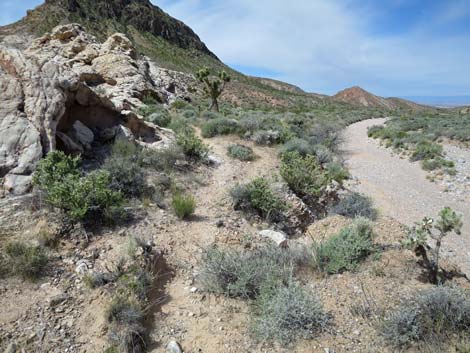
220, 223
214, 161
278, 237
174, 347
58, 299
83, 266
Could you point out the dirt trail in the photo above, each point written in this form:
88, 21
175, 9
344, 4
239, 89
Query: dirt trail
186, 314
400, 188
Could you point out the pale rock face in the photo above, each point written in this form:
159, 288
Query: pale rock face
67, 89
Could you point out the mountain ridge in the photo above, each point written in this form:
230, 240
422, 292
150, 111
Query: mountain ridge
173, 45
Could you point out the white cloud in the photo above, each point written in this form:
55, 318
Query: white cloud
325, 46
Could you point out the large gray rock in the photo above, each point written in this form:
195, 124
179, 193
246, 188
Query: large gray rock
67, 83
82, 134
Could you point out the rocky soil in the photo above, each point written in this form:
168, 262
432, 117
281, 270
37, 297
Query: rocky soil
61, 314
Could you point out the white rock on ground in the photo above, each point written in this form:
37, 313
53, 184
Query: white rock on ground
174, 347
278, 237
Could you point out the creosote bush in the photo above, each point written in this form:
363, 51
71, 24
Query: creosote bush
161, 118
298, 145
192, 146
304, 175
80, 197
354, 205
27, 261
183, 204
288, 313
241, 152
257, 197
346, 250
431, 317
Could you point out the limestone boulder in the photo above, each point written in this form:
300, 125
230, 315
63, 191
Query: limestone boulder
67, 90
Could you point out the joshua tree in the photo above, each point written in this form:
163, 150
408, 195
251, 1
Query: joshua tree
213, 87
418, 238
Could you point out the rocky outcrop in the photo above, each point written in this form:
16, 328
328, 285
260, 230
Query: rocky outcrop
67, 89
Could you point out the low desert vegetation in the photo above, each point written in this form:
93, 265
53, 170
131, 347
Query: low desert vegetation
431, 318
420, 235
419, 136
287, 314
218, 127
125, 169
354, 204
27, 261
310, 180
183, 204
192, 146
241, 152
130, 302
257, 197
79, 196
348, 249
282, 310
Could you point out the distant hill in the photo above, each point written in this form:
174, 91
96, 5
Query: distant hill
360, 97
173, 45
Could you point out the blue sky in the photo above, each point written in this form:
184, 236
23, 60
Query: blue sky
390, 47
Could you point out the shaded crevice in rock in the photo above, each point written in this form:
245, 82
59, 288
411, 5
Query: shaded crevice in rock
70, 92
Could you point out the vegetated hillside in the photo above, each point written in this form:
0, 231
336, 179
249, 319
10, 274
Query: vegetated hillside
359, 96
167, 41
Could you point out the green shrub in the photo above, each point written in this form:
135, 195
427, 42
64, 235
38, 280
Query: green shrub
289, 313
184, 205
337, 172
162, 118
243, 273
304, 175
192, 146
323, 154
125, 169
258, 197
27, 261
219, 126
267, 137
179, 104
436, 163
209, 115
165, 159
298, 145
78, 196
326, 134
243, 153
346, 250
431, 317
427, 150
355, 205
